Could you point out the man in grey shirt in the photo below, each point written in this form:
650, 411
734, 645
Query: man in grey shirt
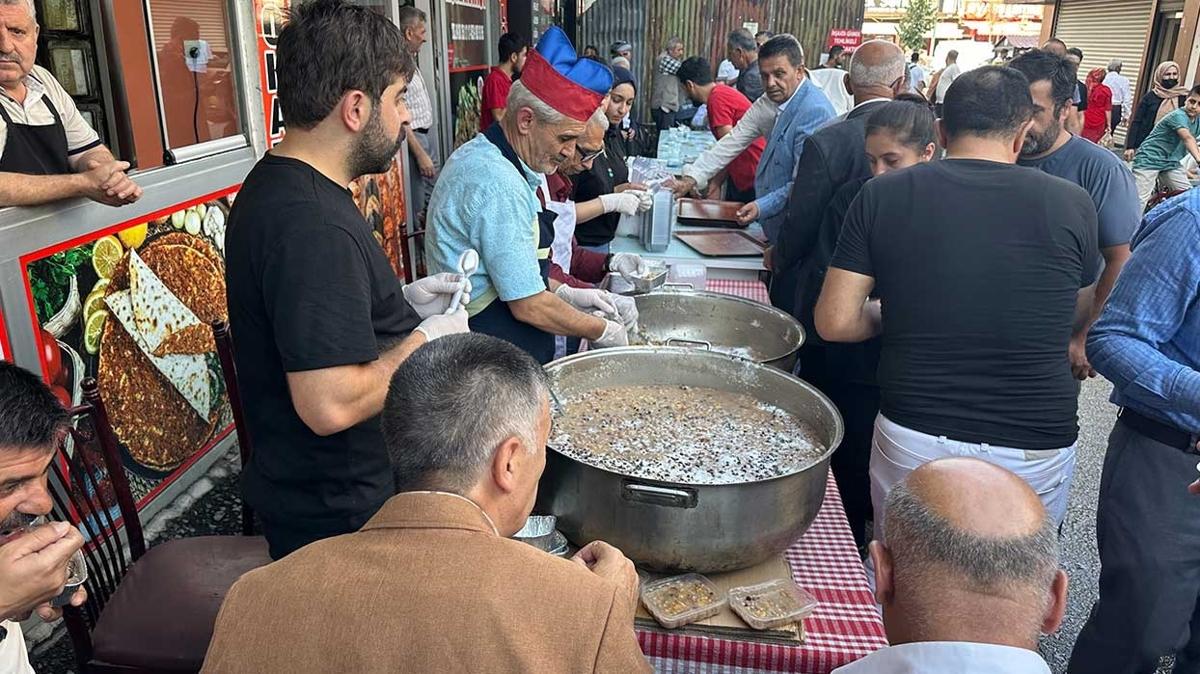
742, 51
1049, 147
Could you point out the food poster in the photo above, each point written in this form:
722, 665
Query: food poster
5, 346
380, 198
469, 61
131, 305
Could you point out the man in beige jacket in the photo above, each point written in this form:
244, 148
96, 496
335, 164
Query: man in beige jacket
432, 583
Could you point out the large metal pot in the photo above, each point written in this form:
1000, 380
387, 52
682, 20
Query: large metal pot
666, 525
717, 321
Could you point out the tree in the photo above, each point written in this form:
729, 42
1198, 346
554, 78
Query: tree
919, 18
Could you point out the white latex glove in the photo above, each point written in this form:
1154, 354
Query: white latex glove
614, 335
432, 295
628, 265
627, 310
645, 200
626, 203
440, 325
588, 300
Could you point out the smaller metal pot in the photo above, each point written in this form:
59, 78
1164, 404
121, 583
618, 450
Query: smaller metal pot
719, 322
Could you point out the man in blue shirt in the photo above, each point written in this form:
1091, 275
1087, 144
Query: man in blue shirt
1052, 149
792, 109
1147, 342
486, 200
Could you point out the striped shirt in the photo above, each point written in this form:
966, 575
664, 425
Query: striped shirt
418, 102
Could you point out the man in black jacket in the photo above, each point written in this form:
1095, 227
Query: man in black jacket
833, 157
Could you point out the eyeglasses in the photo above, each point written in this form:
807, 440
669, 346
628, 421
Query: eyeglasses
588, 156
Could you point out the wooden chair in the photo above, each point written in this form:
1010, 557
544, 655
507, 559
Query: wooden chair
229, 373
147, 610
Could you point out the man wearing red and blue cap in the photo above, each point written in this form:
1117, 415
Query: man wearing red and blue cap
486, 199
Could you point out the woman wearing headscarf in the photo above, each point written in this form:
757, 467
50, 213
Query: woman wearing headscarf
609, 172
1097, 116
1163, 98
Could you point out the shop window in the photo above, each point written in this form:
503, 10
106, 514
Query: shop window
196, 71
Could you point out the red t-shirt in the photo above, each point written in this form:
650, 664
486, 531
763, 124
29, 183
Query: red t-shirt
726, 106
495, 95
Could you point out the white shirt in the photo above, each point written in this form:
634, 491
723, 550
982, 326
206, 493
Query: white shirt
948, 657
951, 73
759, 121
1121, 94
832, 82
419, 105
726, 71
40, 87
14, 659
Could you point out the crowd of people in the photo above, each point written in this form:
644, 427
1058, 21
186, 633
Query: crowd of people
962, 248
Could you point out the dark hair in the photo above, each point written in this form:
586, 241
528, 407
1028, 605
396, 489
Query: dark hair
452, 402
592, 47
783, 45
916, 56
1195, 91
1055, 41
1038, 65
909, 119
695, 69
329, 47
510, 44
835, 50
1077, 52
763, 33
741, 39
987, 101
30, 415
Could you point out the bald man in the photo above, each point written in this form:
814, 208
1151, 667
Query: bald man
969, 576
832, 157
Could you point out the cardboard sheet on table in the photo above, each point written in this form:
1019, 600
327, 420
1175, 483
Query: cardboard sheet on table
722, 243
727, 624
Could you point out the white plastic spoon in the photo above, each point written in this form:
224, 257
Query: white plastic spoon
468, 262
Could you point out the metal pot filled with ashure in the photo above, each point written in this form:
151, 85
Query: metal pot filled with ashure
718, 322
685, 459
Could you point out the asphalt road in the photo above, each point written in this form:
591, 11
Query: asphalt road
1078, 543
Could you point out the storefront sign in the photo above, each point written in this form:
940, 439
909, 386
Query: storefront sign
132, 305
270, 18
845, 38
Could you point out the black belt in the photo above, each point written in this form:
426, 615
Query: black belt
1159, 431
425, 130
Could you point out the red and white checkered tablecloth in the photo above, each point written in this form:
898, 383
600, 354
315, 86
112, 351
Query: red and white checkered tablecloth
845, 626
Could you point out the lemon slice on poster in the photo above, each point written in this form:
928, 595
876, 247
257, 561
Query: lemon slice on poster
105, 255
133, 236
92, 331
93, 303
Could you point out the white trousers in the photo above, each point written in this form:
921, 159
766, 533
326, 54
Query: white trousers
897, 451
1147, 181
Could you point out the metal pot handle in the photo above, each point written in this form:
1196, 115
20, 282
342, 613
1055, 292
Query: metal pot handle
698, 342
671, 497
676, 284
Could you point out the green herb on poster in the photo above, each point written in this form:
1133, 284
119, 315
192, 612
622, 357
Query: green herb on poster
50, 279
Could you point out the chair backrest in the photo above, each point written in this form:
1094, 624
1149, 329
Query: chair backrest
92, 492
224, 342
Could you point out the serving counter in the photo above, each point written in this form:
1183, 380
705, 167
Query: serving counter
731, 268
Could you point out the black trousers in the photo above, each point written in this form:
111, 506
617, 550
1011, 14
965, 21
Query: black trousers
664, 120
1117, 110
851, 461
287, 536
1148, 533
732, 193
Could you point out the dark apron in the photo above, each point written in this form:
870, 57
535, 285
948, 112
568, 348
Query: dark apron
35, 150
497, 319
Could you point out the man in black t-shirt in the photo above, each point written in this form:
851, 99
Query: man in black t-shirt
983, 269
319, 319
